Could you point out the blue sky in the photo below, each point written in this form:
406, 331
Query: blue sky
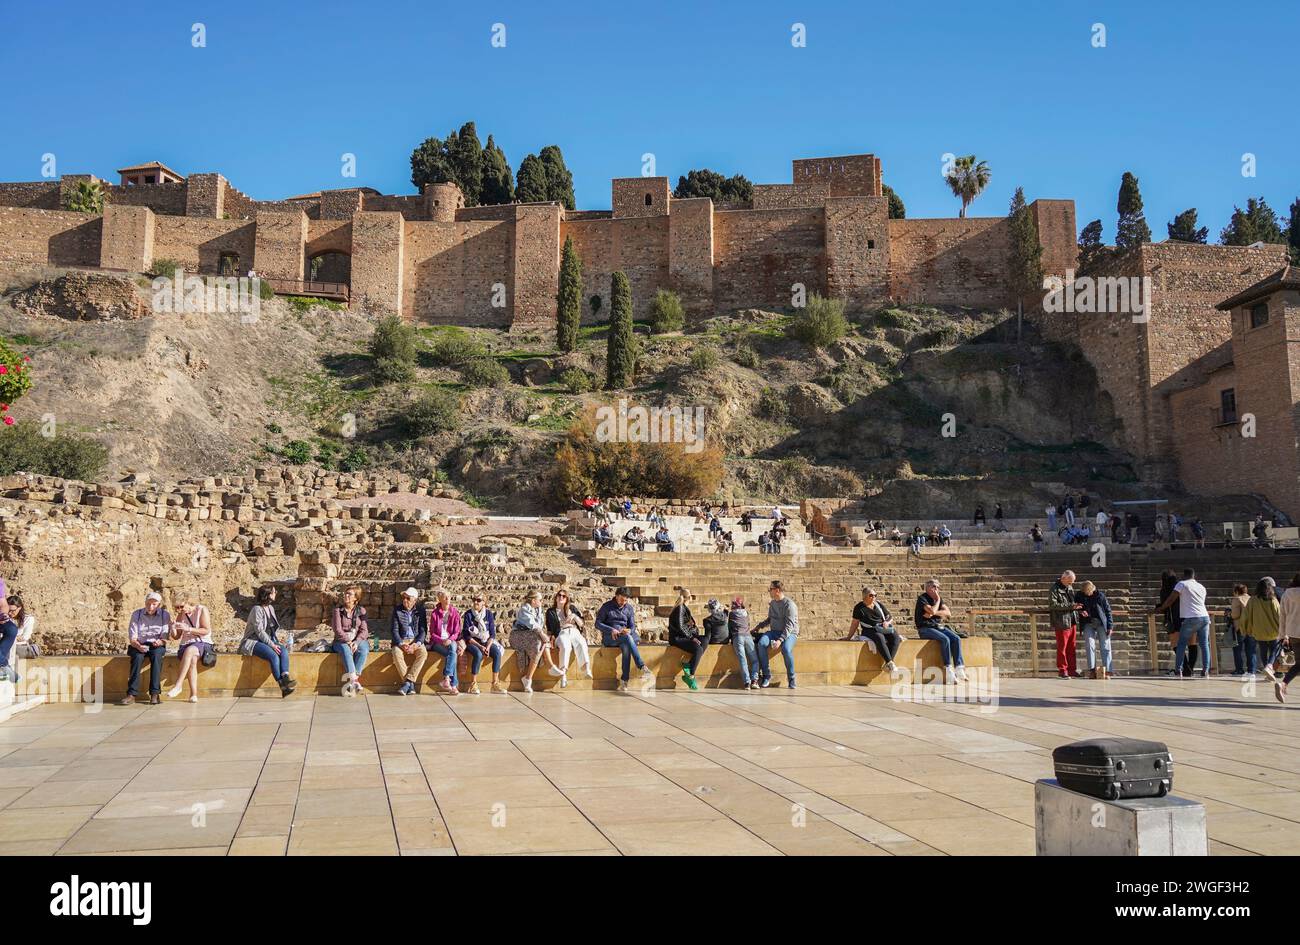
282, 90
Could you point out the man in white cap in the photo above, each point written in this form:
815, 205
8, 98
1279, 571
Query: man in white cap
410, 630
147, 637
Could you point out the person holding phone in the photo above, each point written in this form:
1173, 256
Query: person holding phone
192, 627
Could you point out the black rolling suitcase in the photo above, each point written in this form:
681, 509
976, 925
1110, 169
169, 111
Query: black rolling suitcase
1115, 768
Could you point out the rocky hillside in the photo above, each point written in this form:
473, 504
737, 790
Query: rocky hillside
953, 398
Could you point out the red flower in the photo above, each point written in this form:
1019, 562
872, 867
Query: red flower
3, 369
27, 359
9, 421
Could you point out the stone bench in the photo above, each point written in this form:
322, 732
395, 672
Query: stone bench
818, 662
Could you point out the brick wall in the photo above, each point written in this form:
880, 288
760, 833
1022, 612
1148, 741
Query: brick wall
690, 253
127, 238
49, 237
450, 269
630, 195
280, 238
205, 195
638, 246
43, 195
198, 242
949, 261
160, 198
339, 204
378, 262
535, 266
759, 254
852, 175
857, 250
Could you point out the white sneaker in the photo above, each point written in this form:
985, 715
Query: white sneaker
564, 682
622, 685
528, 685
647, 671
586, 671
555, 671
174, 692
961, 673
949, 677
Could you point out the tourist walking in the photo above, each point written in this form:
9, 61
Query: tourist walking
351, 638
1098, 626
931, 616
1261, 622
1036, 536
1194, 620
779, 631
1051, 517
261, 639
1236, 607
1289, 627
616, 621
409, 631
1063, 612
872, 622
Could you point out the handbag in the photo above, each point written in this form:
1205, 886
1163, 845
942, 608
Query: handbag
209, 657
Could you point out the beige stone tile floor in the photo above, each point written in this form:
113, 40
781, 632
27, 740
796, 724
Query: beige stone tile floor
823, 770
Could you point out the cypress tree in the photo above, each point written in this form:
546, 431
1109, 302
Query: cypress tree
530, 182
559, 180
1185, 230
620, 358
1293, 232
568, 312
1256, 224
1132, 229
1026, 263
498, 179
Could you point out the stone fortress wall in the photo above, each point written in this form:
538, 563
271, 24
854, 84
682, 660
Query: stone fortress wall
432, 260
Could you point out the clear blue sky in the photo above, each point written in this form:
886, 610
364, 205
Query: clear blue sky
281, 90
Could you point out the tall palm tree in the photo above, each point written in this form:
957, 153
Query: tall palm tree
968, 179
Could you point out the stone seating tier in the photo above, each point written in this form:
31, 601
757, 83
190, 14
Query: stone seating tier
59, 678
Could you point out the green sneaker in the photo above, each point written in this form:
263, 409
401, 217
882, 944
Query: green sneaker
690, 681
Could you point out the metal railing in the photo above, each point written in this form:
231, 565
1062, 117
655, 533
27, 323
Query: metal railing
338, 291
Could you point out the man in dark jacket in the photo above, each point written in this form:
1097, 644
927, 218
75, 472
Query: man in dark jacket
410, 630
1097, 624
1064, 610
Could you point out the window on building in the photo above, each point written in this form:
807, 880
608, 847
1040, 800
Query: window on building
1228, 405
649, 200
228, 264
148, 179
1259, 315
871, 244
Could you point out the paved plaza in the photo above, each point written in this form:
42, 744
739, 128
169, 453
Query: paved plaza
821, 770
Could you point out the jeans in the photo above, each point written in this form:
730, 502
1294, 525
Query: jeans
1238, 651
626, 643
1194, 630
1096, 638
279, 662
747, 656
949, 643
1272, 649
155, 656
764, 647
886, 644
476, 657
449, 652
352, 662
7, 638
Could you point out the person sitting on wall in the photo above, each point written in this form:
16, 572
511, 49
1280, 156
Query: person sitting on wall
616, 621
945, 535
714, 527
1036, 536
931, 616
147, 635
444, 639
685, 635
261, 639
872, 623
896, 536
9, 630
193, 628
351, 638
664, 541
1198, 533
602, 536
764, 544
564, 624
409, 630
634, 539
726, 543
978, 519
746, 522
479, 631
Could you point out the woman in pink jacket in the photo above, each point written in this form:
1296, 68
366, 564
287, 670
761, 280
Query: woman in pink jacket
444, 638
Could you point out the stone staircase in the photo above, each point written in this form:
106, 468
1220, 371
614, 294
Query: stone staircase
1002, 595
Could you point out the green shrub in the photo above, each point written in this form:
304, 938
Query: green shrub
355, 459
436, 411
23, 448
456, 349
302, 304
705, 358
393, 347
666, 312
86, 197
577, 381
897, 318
746, 356
15, 375
297, 452
820, 324
771, 404
264, 290
164, 267
484, 372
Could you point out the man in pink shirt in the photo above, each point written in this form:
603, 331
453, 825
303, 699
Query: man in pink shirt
444, 638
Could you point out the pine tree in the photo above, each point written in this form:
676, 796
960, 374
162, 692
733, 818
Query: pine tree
457, 159
1026, 262
1256, 224
568, 313
559, 180
706, 183
1091, 249
620, 358
1185, 230
498, 179
1132, 229
530, 182
896, 209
